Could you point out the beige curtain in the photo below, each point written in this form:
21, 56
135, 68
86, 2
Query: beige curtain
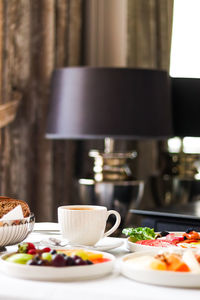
36, 36
149, 41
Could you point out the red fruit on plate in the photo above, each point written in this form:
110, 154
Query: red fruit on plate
32, 251
25, 247
46, 249
30, 246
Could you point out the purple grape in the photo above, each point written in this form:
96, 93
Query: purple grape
32, 262
80, 262
41, 262
75, 257
58, 260
69, 261
89, 262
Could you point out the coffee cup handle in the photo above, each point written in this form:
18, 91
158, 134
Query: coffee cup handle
117, 222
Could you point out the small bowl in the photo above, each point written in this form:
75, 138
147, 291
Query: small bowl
15, 231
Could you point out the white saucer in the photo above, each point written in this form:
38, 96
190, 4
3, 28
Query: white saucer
108, 243
105, 244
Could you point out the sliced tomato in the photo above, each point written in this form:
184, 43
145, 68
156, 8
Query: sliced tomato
155, 243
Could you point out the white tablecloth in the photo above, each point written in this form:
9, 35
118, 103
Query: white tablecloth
113, 286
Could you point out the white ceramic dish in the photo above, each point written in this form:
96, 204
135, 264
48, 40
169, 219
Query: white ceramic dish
105, 244
45, 227
163, 278
108, 243
57, 273
133, 247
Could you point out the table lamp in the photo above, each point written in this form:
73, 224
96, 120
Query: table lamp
110, 103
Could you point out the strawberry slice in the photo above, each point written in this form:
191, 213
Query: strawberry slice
25, 247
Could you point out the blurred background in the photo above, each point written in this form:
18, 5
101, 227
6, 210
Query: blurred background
39, 36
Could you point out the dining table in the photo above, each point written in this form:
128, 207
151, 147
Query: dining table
112, 286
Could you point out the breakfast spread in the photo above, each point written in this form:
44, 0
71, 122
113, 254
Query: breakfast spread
47, 263
28, 254
147, 237
7, 204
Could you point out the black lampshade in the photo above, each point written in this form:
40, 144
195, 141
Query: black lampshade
109, 102
186, 106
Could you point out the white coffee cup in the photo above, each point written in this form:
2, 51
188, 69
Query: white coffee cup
85, 224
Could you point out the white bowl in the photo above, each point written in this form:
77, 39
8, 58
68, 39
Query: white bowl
15, 231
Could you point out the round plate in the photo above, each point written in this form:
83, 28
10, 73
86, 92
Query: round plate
164, 278
57, 273
134, 247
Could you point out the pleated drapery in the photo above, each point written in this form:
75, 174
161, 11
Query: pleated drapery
149, 29
36, 36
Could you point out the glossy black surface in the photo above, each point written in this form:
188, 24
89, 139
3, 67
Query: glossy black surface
190, 211
96, 103
186, 106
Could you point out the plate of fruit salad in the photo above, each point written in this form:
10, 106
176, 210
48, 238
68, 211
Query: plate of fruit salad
171, 267
144, 238
28, 262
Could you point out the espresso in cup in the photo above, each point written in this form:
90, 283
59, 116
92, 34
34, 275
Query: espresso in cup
80, 208
85, 224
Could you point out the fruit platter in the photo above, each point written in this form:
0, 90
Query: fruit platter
144, 238
169, 267
29, 262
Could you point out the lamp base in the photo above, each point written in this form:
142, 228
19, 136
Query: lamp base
112, 166
117, 195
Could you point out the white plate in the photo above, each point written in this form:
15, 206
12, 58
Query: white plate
57, 273
164, 278
46, 227
134, 247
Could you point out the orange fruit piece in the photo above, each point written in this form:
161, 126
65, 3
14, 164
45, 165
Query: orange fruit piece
176, 264
100, 260
158, 265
